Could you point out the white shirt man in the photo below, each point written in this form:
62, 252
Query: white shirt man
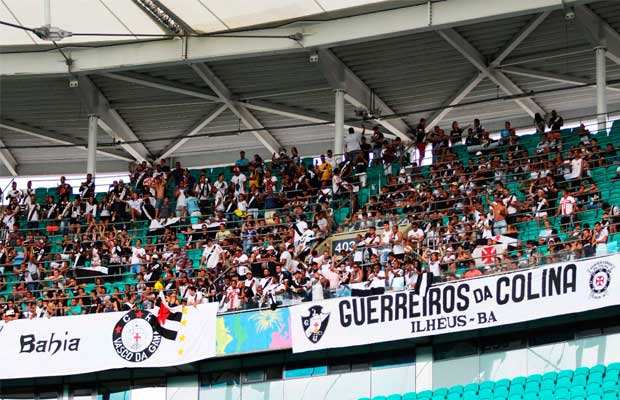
193, 296
13, 193
241, 262
299, 229
352, 141
306, 239
567, 205
238, 181
286, 260
137, 255
416, 236
33, 212
211, 255
576, 168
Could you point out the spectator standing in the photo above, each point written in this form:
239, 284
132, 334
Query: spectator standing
352, 144
566, 209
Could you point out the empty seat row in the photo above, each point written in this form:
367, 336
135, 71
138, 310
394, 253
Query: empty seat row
597, 383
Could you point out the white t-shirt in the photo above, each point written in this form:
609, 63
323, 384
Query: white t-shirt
299, 229
136, 204
397, 248
567, 205
286, 258
416, 235
221, 186
385, 237
239, 182
196, 298
352, 141
136, 253
307, 237
181, 200
212, 255
242, 205
242, 266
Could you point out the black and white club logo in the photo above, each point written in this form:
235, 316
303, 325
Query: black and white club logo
134, 337
315, 323
600, 278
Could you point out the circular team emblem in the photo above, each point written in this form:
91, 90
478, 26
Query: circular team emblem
600, 278
134, 338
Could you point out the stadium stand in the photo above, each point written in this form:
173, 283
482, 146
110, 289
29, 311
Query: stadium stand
248, 235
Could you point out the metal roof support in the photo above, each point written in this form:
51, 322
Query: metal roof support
192, 91
551, 76
497, 77
194, 130
473, 82
598, 32
454, 100
161, 84
110, 120
57, 138
8, 160
246, 117
357, 93
519, 38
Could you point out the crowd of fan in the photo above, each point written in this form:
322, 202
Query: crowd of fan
257, 229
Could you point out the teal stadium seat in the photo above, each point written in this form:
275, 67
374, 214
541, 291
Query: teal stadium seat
547, 385
563, 382
610, 387
599, 368
611, 376
534, 378
596, 377
470, 396
456, 389
501, 391
577, 391
471, 387
546, 395
579, 380
567, 373
425, 394
485, 394
532, 387
503, 383
613, 367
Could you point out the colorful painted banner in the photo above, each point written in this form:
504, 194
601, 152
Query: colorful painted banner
253, 331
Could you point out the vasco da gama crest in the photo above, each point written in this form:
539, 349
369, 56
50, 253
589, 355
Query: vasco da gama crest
600, 278
135, 338
315, 323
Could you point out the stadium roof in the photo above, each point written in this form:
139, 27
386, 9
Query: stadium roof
198, 96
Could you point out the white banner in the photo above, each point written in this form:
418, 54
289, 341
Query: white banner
97, 342
485, 302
